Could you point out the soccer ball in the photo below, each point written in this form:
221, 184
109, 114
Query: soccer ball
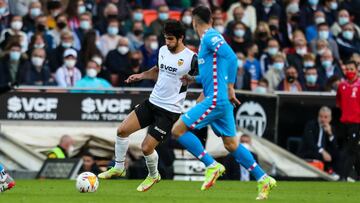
87, 182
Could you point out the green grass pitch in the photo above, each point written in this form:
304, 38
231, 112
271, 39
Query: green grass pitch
124, 191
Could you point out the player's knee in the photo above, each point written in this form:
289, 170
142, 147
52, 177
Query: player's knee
146, 149
176, 130
230, 146
122, 132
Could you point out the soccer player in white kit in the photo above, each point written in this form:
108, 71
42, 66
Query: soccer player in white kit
162, 109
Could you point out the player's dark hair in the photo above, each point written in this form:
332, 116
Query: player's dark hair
351, 62
203, 13
174, 28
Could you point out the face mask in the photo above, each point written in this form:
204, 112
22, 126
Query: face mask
37, 61
320, 51
123, 50
260, 90
113, 30
313, 2
39, 46
278, 66
2, 10
311, 79
324, 35
350, 75
308, 64
187, 20
326, 63
292, 8
135, 62
35, 12
301, 51
81, 9
16, 25
138, 16
91, 72
154, 45
240, 63
220, 28
349, 35
319, 20
272, 51
15, 55
70, 63
85, 25
71, 150
290, 79
239, 32
137, 32
333, 5
66, 44
163, 16
61, 25
343, 20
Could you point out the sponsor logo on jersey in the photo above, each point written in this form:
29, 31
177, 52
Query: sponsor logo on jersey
168, 68
251, 116
180, 62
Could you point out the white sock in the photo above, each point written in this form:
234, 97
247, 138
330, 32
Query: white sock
212, 165
121, 148
152, 164
262, 178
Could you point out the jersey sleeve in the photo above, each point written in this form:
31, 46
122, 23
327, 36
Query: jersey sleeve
211, 41
194, 66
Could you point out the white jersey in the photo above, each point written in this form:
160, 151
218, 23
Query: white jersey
169, 93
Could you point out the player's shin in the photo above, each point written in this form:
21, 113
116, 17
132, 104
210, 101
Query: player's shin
245, 158
194, 146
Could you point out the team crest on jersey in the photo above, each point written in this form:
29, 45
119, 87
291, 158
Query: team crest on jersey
180, 62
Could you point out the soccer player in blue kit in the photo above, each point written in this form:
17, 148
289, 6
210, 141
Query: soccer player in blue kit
6, 182
217, 73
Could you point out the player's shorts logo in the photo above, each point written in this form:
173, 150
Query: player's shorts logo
252, 117
180, 62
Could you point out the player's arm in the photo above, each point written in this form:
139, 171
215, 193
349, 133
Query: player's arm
151, 74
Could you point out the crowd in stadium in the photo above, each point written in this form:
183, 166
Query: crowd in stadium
289, 45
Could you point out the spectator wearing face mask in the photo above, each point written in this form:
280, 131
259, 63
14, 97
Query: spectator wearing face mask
86, 25
275, 74
37, 41
149, 51
90, 48
4, 15
56, 57
74, 9
323, 33
110, 40
267, 8
191, 38
290, 83
238, 42
272, 49
261, 36
311, 31
38, 73
156, 26
328, 67
41, 28
67, 75
218, 24
297, 59
120, 55
309, 61
252, 65
137, 15
343, 18
13, 64
249, 18
16, 25
331, 11
61, 26
54, 8
307, 13
91, 80
262, 87
243, 77
312, 80
111, 11
348, 41
35, 10
136, 37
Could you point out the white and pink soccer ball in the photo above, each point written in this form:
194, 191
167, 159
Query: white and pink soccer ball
87, 182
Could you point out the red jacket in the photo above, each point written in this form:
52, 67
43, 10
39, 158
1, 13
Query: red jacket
348, 100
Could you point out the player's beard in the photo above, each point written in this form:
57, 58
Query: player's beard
173, 49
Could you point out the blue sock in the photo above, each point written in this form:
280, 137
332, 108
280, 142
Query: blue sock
245, 158
1, 168
194, 146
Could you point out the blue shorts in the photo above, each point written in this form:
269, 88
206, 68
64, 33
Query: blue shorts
221, 118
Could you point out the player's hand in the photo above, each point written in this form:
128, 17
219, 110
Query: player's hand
327, 129
134, 78
232, 97
326, 156
187, 79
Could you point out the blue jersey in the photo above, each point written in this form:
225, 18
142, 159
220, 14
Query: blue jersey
217, 66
